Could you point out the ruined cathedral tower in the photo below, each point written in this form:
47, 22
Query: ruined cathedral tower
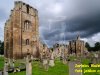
21, 34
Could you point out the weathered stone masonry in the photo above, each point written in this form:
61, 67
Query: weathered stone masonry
21, 33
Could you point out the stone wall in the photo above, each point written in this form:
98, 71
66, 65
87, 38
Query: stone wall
76, 46
21, 32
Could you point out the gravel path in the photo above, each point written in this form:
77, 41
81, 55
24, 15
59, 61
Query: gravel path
72, 68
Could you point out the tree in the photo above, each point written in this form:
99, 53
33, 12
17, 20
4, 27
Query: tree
0, 43
97, 46
1, 47
88, 46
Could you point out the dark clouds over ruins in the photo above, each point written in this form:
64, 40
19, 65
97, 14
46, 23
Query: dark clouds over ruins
61, 20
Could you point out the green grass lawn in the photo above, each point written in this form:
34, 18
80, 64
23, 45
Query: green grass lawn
58, 69
86, 61
1, 62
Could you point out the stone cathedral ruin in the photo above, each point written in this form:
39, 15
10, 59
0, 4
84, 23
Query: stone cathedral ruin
21, 31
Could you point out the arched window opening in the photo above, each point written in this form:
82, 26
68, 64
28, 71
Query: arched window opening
27, 41
27, 8
27, 25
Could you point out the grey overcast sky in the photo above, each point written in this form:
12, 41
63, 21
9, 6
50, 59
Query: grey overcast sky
61, 20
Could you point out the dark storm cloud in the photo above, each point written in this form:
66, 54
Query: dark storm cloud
90, 25
82, 17
62, 19
84, 28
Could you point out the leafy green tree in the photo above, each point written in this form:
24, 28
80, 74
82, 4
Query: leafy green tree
0, 43
1, 47
88, 46
97, 46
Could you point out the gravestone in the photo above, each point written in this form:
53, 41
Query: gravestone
45, 64
41, 60
5, 68
64, 60
64, 56
46, 60
51, 61
12, 63
28, 65
72, 68
96, 58
1, 73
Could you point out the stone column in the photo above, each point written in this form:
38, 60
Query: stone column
28, 65
6, 68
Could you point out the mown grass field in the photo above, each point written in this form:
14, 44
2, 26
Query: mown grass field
58, 69
86, 62
1, 62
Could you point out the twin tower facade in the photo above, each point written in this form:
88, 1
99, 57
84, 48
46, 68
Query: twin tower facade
21, 31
